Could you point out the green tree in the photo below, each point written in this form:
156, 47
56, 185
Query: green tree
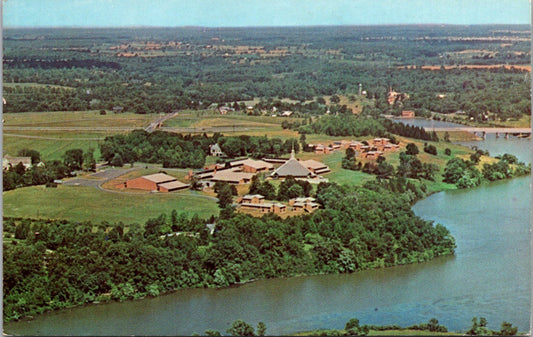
73, 159
241, 328
350, 153
117, 161
411, 149
268, 190
89, 163
507, 329
35, 155
225, 196
255, 185
261, 329
334, 99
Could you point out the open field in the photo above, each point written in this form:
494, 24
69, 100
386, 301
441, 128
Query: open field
90, 118
81, 203
52, 133
52, 144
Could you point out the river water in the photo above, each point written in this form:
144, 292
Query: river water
489, 276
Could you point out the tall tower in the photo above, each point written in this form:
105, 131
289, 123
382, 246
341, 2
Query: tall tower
360, 89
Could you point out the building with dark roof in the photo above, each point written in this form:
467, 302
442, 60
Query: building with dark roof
294, 168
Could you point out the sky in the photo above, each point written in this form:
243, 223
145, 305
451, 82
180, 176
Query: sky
239, 13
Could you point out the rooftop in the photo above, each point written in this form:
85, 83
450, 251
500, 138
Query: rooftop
159, 178
173, 185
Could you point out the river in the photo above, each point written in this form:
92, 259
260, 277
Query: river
489, 276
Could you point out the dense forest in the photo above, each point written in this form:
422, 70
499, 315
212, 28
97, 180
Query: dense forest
51, 264
161, 70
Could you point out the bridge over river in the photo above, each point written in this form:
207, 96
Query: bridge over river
482, 132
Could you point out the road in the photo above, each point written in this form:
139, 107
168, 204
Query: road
155, 124
99, 178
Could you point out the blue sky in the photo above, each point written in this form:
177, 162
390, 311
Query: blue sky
238, 13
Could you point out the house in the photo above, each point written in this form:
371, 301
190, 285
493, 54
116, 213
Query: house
357, 146
315, 166
263, 208
117, 109
256, 202
225, 109
253, 199
392, 147
294, 168
160, 182
301, 200
408, 114
286, 114
371, 154
322, 149
278, 208
380, 141
304, 204
215, 150
9, 161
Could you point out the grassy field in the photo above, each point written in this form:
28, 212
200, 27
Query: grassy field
81, 203
51, 144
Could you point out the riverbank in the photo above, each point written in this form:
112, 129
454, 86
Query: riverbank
453, 288
312, 244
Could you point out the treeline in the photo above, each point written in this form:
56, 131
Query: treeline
166, 148
433, 327
46, 172
257, 147
17, 62
51, 264
365, 125
465, 173
410, 131
185, 150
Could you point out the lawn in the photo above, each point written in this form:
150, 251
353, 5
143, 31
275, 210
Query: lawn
81, 203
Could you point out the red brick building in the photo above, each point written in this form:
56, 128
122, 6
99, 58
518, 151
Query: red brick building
160, 182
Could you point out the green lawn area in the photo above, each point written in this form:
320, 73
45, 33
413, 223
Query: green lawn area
340, 175
81, 203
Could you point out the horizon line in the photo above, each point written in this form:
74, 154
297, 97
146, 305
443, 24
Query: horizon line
274, 26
